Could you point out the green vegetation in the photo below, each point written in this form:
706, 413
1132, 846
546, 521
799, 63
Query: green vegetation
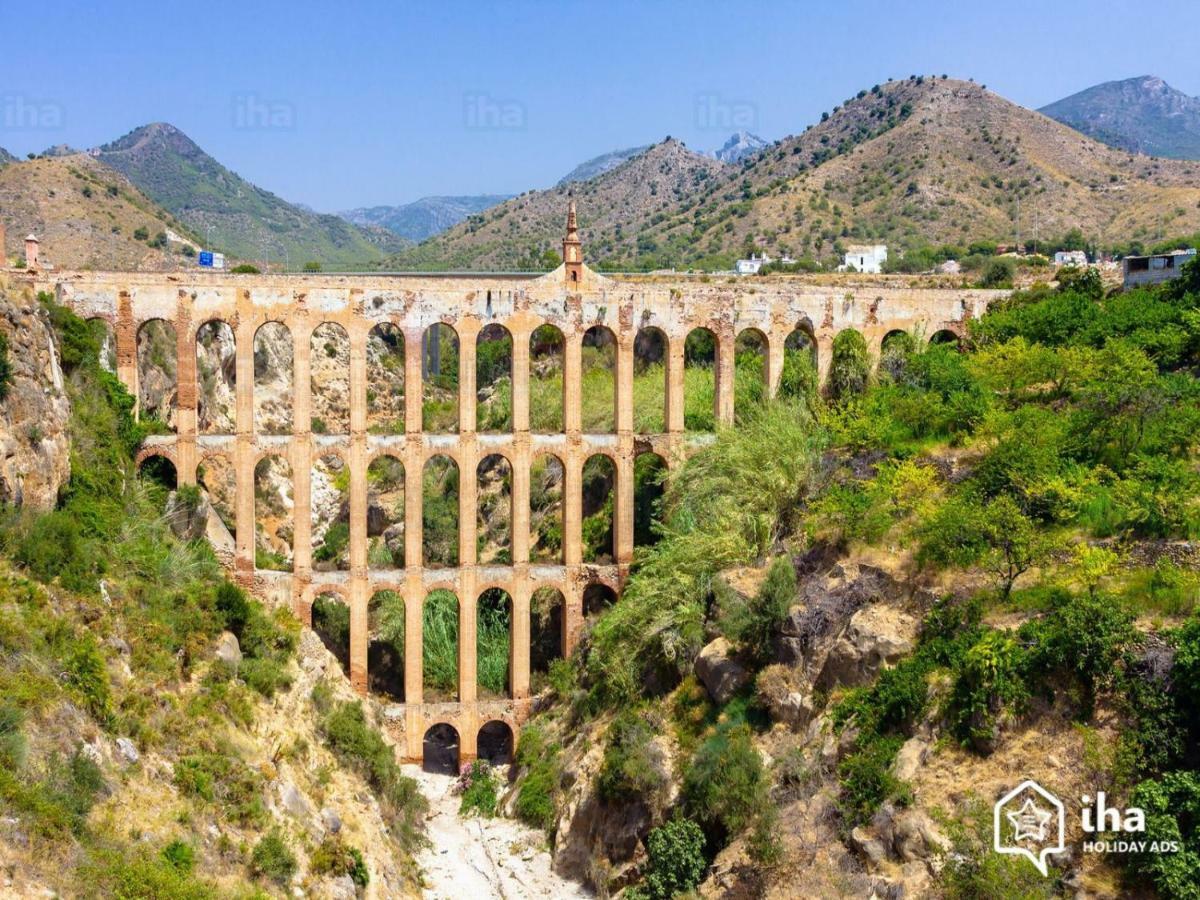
439, 647
677, 862
540, 760
272, 859
478, 787
632, 767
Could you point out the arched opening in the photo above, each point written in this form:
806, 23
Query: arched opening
493, 379
545, 634
493, 643
329, 362
749, 372
331, 622
274, 384
158, 471
894, 351
546, 348
493, 492
439, 646
273, 514
599, 494
385, 379
158, 371
650, 381
946, 336
798, 379
106, 339
494, 745
596, 599
849, 365
439, 751
546, 509
385, 513
699, 380
598, 381
439, 378
329, 517
216, 378
219, 480
649, 484
439, 512
385, 649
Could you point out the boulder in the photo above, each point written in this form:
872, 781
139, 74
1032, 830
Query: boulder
127, 750
228, 650
721, 675
910, 758
876, 636
331, 820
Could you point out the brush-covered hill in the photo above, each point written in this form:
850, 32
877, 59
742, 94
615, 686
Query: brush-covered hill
615, 207
170, 168
1141, 115
422, 218
88, 216
909, 163
6, 157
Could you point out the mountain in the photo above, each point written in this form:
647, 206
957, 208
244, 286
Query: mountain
171, 169
89, 216
1141, 115
740, 145
6, 157
921, 161
615, 207
422, 218
60, 150
598, 165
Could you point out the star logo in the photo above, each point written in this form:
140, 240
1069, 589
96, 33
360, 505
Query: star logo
1029, 822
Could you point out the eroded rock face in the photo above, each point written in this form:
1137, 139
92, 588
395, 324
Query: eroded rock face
721, 674
35, 442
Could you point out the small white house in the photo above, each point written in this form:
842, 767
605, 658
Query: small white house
864, 258
752, 265
1070, 258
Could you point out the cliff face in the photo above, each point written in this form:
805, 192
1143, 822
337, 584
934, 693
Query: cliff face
35, 442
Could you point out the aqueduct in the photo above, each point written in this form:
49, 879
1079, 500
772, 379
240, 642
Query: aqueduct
574, 300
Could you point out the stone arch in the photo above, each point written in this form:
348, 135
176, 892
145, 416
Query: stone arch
649, 484
547, 608
849, 364
494, 743
546, 485
158, 469
493, 379
331, 622
385, 512
650, 349
216, 378
329, 379
102, 332
385, 644
946, 336
894, 349
798, 378
493, 510
599, 489
701, 350
385, 379
598, 380
439, 379
440, 632
546, 386
750, 352
274, 378
329, 513
158, 372
273, 508
493, 643
597, 597
216, 474
439, 512
439, 749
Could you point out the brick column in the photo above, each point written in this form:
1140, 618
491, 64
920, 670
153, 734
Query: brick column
623, 468
520, 382
244, 447
518, 645
302, 457
125, 334
572, 507
414, 386
572, 618
186, 391
824, 356
723, 378
572, 376
359, 585
776, 344
467, 612
468, 334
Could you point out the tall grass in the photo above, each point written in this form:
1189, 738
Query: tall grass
492, 642
439, 645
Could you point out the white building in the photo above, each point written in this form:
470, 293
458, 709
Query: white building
864, 258
1071, 258
752, 265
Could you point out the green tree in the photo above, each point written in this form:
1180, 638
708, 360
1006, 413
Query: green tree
850, 367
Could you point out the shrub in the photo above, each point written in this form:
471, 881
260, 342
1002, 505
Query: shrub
753, 624
180, 855
477, 784
991, 680
273, 859
998, 273
725, 782
5, 367
850, 367
676, 859
632, 767
244, 269
333, 857
866, 780
1172, 806
535, 797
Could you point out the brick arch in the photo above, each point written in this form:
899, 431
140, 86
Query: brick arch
170, 454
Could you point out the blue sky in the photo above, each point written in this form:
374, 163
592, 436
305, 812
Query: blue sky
360, 103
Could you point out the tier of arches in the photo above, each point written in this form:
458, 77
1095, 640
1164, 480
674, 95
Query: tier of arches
441, 751
436, 364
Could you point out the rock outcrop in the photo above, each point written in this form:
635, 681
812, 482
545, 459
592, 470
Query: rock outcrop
35, 442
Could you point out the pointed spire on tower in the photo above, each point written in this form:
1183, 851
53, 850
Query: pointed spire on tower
572, 246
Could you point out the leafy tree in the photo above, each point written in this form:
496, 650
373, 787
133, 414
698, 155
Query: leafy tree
677, 863
850, 367
753, 624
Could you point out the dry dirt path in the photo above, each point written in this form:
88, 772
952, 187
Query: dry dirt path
482, 858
